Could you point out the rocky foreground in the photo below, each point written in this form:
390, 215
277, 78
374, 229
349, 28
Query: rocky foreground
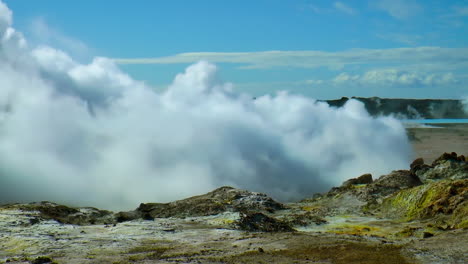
408, 216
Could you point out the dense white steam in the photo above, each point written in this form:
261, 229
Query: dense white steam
91, 135
465, 104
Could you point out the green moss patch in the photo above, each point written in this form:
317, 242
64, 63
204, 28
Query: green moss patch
443, 199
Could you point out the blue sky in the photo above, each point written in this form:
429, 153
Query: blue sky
322, 49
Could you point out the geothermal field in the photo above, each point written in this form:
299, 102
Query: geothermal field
97, 166
407, 216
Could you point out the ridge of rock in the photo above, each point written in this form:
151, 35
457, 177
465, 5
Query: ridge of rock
356, 197
259, 222
65, 214
223, 199
447, 166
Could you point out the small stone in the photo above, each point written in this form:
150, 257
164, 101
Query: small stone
34, 221
427, 235
41, 260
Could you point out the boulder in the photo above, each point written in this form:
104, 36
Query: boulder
397, 180
363, 179
417, 163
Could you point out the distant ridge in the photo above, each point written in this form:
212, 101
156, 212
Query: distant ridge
409, 108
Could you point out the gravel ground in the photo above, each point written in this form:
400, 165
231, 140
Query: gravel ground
430, 142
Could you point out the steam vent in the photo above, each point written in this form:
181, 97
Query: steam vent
208, 131
408, 216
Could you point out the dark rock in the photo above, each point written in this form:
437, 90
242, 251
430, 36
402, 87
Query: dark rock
462, 158
128, 216
259, 222
387, 185
42, 260
394, 181
447, 166
398, 180
363, 199
55, 211
34, 221
305, 219
419, 170
224, 199
416, 164
378, 189
363, 179
447, 156
427, 235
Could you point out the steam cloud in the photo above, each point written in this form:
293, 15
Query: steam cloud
91, 135
465, 104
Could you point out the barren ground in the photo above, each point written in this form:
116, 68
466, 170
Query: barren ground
429, 142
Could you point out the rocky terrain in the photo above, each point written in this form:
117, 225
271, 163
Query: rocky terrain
409, 108
408, 216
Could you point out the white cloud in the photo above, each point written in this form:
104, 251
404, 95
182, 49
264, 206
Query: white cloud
345, 78
46, 35
96, 81
453, 17
423, 57
314, 82
465, 104
6, 18
317, 10
52, 59
395, 77
401, 38
345, 8
400, 9
460, 11
88, 134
